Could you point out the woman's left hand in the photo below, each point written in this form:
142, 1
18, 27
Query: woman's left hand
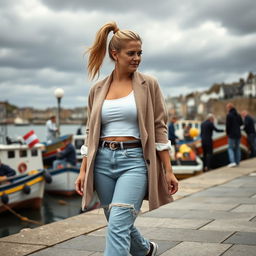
172, 182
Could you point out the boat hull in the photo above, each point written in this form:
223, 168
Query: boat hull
17, 198
63, 181
220, 150
50, 151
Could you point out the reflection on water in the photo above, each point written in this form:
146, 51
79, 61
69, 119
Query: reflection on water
54, 208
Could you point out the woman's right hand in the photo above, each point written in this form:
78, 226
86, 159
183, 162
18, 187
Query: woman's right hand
80, 183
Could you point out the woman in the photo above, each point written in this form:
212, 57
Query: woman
126, 154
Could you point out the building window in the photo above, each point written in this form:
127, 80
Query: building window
11, 154
23, 153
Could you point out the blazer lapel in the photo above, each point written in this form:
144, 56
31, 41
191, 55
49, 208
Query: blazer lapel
141, 97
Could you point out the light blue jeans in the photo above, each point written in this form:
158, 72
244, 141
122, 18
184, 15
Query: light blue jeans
120, 179
234, 151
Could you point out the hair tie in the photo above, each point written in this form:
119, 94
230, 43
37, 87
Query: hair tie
115, 30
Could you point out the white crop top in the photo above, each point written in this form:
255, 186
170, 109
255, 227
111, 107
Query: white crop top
119, 118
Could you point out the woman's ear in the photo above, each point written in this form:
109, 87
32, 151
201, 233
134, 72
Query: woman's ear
114, 55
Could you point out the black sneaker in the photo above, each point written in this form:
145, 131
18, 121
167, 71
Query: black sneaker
153, 249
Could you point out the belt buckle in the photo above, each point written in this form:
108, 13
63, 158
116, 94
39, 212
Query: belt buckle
113, 145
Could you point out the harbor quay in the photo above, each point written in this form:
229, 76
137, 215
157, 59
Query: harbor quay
214, 214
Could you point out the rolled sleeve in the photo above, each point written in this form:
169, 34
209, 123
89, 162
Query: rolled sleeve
163, 146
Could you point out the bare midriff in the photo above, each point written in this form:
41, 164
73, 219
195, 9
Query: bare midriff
119, 138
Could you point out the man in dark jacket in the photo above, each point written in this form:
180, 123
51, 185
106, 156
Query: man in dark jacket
66, 156
5, 171
171, 131
207, 128
233, 123
249, 128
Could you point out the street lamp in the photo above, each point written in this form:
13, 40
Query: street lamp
59, 92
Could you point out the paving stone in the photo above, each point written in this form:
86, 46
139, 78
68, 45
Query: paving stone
87, 243
59, 231
197, 249
166, 213
191, 235
12, 249
200, 206
199, 214
227, 191
218, 215
220, 200
245, 208
60, 252
163, 246
248, 238
171, 222
231, 225
241, 250
253, 219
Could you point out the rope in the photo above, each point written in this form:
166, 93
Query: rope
23, 218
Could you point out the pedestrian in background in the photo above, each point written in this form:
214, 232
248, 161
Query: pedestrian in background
51, 129
126, 153
207, 128
233, 129
249, 128
171, 131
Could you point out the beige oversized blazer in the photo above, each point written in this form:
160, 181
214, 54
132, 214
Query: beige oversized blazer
152, 118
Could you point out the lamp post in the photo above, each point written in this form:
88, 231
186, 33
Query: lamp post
59, 93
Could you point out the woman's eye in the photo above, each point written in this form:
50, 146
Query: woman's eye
131, 53
134, 53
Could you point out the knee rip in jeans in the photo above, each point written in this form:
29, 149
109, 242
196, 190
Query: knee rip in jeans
122, 205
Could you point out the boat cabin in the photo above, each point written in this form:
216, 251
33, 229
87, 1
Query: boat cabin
22, 158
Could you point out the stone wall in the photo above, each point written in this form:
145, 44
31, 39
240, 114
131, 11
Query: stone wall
218, 107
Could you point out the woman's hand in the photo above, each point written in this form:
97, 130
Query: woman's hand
172, 182
80, 183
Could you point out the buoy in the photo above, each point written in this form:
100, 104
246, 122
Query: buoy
5, 199
26, 189
22, 167
47, 177
193, 132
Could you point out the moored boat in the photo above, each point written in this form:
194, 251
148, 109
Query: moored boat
21, 158
63, 181
220, 149
23, 191
50, 150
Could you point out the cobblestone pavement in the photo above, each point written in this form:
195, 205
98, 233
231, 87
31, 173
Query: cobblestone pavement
212, 219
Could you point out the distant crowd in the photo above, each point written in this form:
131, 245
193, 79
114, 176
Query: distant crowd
235, 123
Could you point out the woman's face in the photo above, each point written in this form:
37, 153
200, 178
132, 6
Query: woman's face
129, 57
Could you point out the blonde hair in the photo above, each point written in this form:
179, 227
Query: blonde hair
98, 50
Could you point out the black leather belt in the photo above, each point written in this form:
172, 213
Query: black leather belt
114, 145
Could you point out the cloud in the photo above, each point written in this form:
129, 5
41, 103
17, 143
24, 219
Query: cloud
187, 45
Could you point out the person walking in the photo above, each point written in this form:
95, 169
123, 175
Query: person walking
126, 156
233, 123
207, 128
249, 128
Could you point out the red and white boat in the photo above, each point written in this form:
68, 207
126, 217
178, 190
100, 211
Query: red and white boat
220, 149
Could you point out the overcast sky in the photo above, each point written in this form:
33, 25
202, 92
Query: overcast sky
187, 45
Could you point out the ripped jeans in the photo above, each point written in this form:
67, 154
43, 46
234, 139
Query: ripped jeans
120, 179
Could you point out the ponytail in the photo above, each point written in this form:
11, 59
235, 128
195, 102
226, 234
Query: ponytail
97, 51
